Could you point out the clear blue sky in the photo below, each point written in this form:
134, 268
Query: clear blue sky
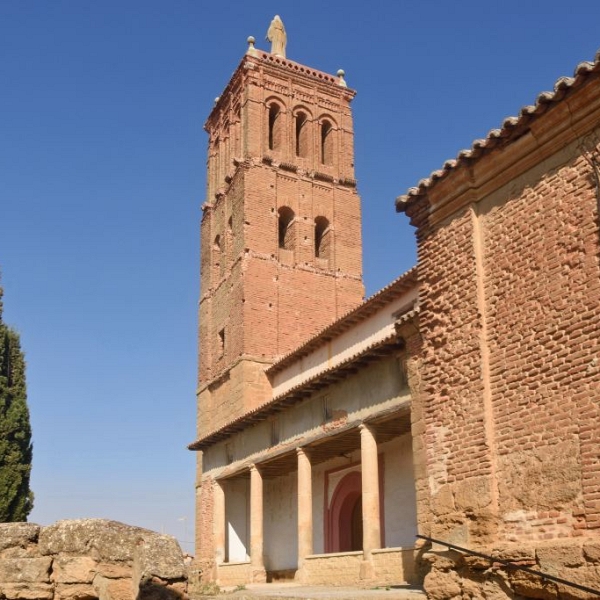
102, 174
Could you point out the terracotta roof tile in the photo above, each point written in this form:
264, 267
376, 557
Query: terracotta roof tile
362, 311
301, 390
509, 125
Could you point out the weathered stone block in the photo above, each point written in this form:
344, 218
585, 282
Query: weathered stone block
591, 551
26, 591
18, 535
159, 556
98, 538
114, 570
555, 558
74, 591
442, 585
532, 586
25, 570
74, 569
514, 553
442, 502
113, 589
473, 493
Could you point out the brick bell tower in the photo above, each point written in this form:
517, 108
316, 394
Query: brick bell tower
281, 226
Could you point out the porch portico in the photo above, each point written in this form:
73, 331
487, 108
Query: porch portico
299, 513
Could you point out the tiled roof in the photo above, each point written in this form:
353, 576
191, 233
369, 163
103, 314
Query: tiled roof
304, 389
511, 127
403, 283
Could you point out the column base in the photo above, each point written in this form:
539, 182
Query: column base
367, 570
300, 575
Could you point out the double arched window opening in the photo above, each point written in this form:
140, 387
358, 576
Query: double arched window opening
302, 130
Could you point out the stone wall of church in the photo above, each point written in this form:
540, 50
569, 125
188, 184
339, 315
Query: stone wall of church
509, 370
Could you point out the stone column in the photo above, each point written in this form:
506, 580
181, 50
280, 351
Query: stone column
256, 526
219, 522
370, 499
305, 518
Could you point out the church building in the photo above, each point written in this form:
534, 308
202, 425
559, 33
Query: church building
461, 402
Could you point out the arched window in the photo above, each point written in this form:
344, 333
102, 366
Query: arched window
326, 143
302, 135
275, 127
322, 238
286, 230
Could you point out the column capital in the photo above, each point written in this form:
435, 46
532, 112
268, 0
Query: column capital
303, 452
366, 428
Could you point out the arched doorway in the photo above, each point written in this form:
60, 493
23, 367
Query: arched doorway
345, 526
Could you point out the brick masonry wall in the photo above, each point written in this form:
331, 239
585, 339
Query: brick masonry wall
204, 561
506, 385
259, 301
543, 291
457, 451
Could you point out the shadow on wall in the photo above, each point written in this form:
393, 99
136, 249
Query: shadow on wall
151, 590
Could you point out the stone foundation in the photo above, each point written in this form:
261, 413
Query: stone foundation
453, 575
235, 574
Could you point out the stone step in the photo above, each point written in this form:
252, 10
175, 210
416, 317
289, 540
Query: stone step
294, 591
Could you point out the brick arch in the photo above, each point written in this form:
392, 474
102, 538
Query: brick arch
276, 119
327, 139
275, 115
344, 509
329, 118
304, 109
302, 133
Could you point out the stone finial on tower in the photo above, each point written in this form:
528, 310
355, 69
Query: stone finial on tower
277, 36
251, 49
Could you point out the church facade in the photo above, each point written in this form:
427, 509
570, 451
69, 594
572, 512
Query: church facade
460, 402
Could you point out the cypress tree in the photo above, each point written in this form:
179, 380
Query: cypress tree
16, 499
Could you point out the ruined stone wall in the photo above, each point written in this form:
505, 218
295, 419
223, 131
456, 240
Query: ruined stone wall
88, 559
